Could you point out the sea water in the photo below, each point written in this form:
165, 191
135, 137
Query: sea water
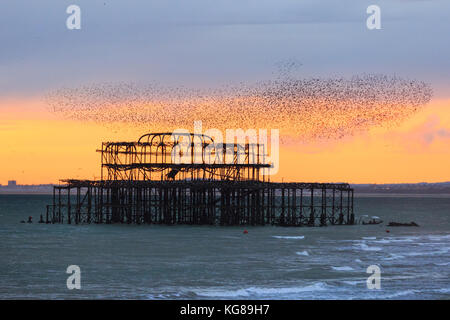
206, 262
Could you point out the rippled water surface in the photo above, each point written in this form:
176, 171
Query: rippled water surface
202, 262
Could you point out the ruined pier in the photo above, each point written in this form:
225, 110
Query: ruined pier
143, 183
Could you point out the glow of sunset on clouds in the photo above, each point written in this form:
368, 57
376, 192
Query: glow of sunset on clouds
203, 44
40, 147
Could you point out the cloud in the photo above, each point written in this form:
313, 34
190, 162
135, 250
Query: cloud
443, 133
431, 130
423, 135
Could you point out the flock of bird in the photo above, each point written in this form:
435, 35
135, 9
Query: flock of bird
305, 109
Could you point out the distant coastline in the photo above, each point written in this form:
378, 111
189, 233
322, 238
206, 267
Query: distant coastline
403, 188
360, 189
27, 189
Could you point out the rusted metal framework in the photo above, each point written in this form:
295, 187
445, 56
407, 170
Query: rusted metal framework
181, 156
144, 182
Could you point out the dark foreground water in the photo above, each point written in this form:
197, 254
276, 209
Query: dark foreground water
190, 262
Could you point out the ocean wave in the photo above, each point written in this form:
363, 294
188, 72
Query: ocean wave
383, 241
302, 253
369, 238
427, 253
442, 264
289, 237
260, 291
163, 296
345, 268
394, 256
439, 237
443, 290
400, 294
365, 247
395, 240
354, 282
402, 239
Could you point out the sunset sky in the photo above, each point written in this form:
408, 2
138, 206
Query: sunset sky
204, 44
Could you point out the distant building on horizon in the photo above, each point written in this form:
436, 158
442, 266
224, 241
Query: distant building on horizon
12, 183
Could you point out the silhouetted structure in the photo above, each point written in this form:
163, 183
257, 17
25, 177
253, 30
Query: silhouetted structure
12, 183
142, 182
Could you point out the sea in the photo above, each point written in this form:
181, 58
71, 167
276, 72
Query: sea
212, 262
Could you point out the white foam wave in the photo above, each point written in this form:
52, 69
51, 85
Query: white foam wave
345, 268
402, 239
365, 247
302, 253
261, 291
400, 294
289, 237
439, 237
394, 256
395, 240
442, 264
383, 241
427, 253
353, 282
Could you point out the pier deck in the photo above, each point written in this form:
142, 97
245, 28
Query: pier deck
202, 202
145, 182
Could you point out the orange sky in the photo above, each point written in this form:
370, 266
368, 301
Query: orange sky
38, 147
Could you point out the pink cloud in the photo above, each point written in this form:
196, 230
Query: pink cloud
423, 135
